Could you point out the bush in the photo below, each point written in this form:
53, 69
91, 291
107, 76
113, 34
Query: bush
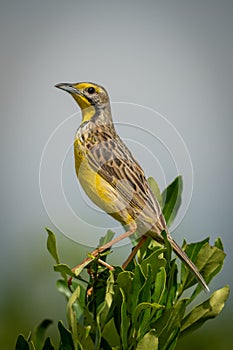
142, 307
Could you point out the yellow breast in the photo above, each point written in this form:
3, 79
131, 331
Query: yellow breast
103, 194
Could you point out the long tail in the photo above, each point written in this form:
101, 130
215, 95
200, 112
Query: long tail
182, 255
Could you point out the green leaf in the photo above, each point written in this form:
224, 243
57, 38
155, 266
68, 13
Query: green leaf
207, 310
143, 306
98, 329
145, 296
125, 283
48, 345
107, 238
84, 337
172, 200
170, 342
208, 259
109, 295
149, 341
73, 298
145, 291
62, 287
218, 243
193, 249
79, 305
66, 338
64, 270
138, 281
110, 334
142, 252
155, 261
168, 324
52, 245
160, 286
80, 268
171, 284
39, 334
98, 285
74, 311
124, 322
155, 189
22, 343
101, 301
168, 250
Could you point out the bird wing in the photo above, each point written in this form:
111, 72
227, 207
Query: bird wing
113, 161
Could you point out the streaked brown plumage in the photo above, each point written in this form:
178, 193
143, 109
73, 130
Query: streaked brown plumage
109, 173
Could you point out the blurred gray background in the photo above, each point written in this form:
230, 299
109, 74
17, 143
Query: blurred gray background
173, 56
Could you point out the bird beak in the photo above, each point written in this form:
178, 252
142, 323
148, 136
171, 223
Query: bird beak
68, 88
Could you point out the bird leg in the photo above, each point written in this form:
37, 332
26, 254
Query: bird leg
104, 247
134, 251
105, 264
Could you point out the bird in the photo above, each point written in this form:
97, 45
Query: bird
111, 176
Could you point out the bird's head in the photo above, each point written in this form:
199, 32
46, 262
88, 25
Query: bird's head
86, 94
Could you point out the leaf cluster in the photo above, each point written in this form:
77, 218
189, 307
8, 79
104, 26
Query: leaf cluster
147, 306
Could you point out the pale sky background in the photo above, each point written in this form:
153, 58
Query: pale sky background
175, 57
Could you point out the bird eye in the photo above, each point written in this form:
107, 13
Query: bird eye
91, 90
